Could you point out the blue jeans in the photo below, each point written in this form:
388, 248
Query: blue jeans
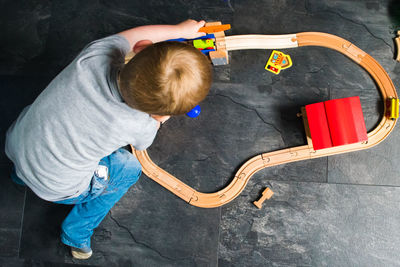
92, 206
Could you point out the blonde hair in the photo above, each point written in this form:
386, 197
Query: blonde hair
167, 78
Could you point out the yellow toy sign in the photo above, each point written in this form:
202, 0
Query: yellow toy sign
278, 61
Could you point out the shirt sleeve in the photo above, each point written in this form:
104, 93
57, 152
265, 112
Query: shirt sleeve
111, 48
147, 137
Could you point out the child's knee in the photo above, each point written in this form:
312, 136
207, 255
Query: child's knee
134, 169
15, 177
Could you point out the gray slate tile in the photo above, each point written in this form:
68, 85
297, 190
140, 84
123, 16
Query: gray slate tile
12, 197
147, 227
313, 224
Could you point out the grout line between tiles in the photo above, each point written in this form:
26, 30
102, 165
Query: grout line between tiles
377, 185
334, 183
219, 233
22, 224
327, 170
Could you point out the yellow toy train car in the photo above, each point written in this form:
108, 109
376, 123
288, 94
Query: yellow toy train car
392, 108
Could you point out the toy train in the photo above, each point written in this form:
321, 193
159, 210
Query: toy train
205, 44
392, 108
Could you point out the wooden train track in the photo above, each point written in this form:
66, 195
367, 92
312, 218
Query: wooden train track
265, 160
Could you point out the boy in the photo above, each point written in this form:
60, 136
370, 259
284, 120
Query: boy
66, 146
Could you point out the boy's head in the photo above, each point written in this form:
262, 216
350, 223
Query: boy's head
167, 78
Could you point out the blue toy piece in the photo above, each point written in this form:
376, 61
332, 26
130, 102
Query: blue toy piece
194, 112
207, 36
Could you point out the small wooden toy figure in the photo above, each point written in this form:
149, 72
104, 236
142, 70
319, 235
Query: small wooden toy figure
267, 194
203, 44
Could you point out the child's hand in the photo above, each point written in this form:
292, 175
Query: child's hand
190, 28
160, 119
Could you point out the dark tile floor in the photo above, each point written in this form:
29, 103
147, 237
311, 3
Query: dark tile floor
336, 211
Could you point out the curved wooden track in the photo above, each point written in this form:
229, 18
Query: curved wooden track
259, 162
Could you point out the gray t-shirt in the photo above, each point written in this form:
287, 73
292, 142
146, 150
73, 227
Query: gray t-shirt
57, 142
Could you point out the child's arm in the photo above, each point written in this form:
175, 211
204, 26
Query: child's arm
157, 33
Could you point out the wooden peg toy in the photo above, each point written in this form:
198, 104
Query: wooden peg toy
266, 194
220, 56
215, 28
